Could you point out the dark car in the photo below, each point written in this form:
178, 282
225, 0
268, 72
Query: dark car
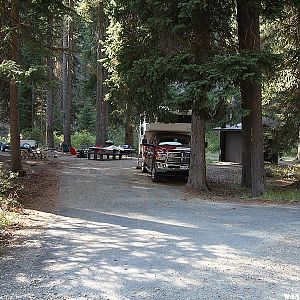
27, 147
23, 146
5, 146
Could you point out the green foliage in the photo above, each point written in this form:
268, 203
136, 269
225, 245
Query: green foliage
213, 141
154, 63
8, 197
116, 134
283, 195
11, 69
35, 134
26, 103
87, 118
4, 220
281, 92
213, 146
82, 138
285, 172
4, 139
58, 138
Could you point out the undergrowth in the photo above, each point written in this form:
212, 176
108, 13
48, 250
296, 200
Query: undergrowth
287, 193
9, 200
284, 172
283, 195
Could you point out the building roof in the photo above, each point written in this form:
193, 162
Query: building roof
237, 127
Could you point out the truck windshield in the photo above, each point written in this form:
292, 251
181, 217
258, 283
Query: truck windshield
170, 143
174, 141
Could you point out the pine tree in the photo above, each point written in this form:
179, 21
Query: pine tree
68, 76
87, 117
101, 104
160, 45
50, 94
252, 155
14, 93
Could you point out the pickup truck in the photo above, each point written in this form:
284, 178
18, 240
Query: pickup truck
166, 151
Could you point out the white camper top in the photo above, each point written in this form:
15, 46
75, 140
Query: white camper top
172, 127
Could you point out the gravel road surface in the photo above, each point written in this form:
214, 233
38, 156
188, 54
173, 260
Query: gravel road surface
118, 236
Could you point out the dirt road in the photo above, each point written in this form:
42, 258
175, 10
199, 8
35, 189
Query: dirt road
118, 236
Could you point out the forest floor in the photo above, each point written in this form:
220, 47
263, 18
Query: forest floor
103, 230
37, 194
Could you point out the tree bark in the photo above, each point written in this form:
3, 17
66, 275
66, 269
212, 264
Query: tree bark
101, 105
249, 40
246, 90
16, 164
50, 64
4, 54
129, 127
69, 79
197, 174
258, 177
298, 76
64, 75
298, 152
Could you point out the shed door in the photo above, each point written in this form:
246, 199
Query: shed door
233, 147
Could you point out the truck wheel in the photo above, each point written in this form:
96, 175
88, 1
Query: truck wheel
154, 175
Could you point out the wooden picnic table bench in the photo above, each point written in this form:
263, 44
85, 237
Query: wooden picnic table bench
95, 152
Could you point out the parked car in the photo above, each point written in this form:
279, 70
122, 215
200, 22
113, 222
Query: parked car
32, 144
24, 145
5, 146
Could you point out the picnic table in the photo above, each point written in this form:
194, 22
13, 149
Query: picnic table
99, 152
128, 152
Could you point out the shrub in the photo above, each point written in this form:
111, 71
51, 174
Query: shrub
8, 190
8, 197
82, 138
283, 195
117, 135
213, 141
34, 134
285, 172
58, 138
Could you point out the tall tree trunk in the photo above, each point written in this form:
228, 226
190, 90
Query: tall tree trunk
64, 75
14, 94
129, 127
197, 174
50, 136
101, 105
249, 40
298, 152
298, 76
4, 54
246, 90
258, 177
69, 79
